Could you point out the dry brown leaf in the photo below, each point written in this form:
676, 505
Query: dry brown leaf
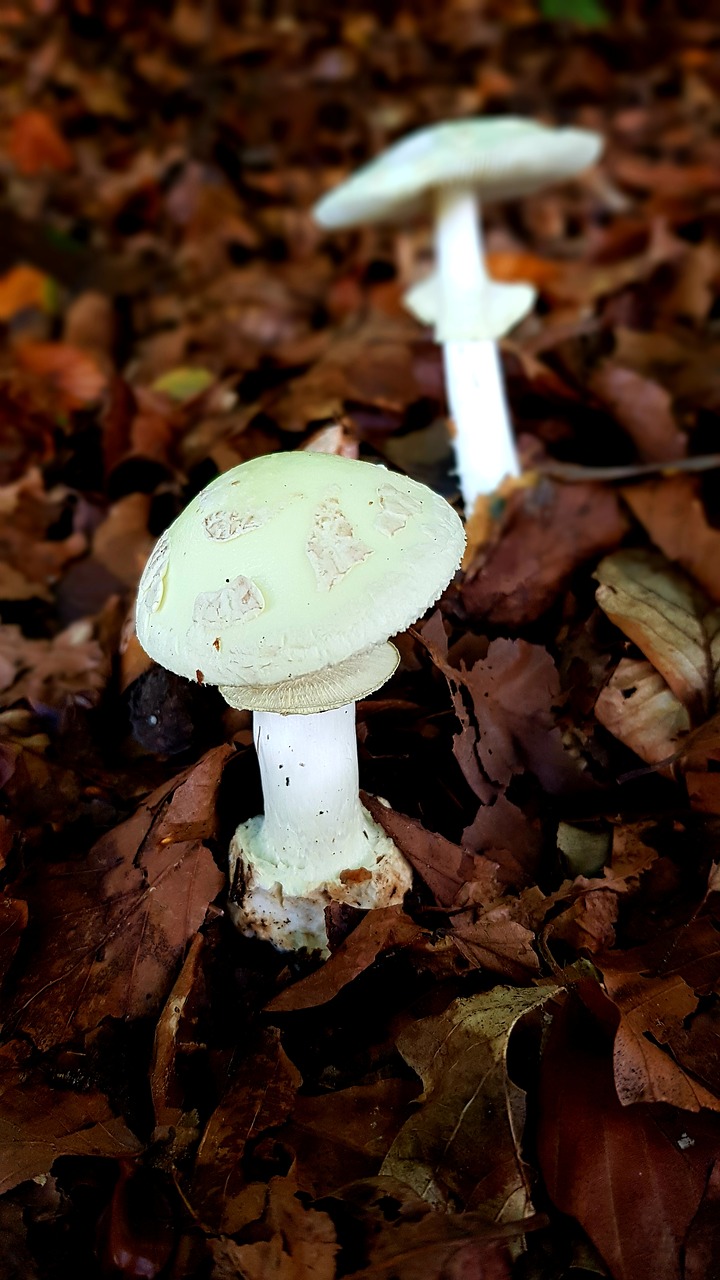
377, 932
669, 620
260, 1096
652, 1010
672, 511
462, 1148
39, 1123
108, 941
547, 533
298, 1244
638, 707
632, 1176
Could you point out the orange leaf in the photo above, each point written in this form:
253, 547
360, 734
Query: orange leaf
21, 288
72, 373
511, 266
35, 145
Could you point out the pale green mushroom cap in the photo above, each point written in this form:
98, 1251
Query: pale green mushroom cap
283, 580
502, 158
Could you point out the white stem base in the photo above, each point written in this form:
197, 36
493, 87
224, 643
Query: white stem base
483, 440
315, 843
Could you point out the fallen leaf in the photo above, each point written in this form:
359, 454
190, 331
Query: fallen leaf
299, 1243
36, 145
172, 1033
260, 1096
632, 1183
462, 1148
73, 375
702, 1247
651, 1011
445, 867
638, 708
108, 941
377, 932
24, 287
39, 1123
670, 621
672, 512
644, 409
548, 532
341, 1136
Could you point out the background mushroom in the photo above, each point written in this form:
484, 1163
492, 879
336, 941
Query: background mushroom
447, 170
281, 583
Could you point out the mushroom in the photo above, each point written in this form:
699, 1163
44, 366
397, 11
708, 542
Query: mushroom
446, 170
281, 583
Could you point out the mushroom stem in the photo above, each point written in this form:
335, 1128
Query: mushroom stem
314, 826
484, 446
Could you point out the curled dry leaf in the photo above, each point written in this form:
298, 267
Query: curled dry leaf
296, 1243
638, 708
462, 1148
379, 931
670, 621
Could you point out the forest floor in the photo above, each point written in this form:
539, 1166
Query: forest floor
518, 1074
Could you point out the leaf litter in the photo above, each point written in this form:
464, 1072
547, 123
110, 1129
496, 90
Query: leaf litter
518, 1072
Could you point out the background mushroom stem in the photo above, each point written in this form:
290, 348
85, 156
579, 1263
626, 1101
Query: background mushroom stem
314, 825
483, 439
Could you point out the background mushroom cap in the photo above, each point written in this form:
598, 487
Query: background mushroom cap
293, 563
503, 157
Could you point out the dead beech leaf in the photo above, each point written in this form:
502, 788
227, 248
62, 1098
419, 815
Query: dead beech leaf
670, 621
462, 1148
672, 512
297, 1243
35, 144
638, 708
628, 1174
547, 532
644, 409
445, 867
379, 931
342, 1136
652, 1011
109, 937
39, 1123
260, 1096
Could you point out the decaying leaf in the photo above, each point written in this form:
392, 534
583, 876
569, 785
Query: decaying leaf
298, 1243
379, 931
462, 1149
108, 941
259, 1097
39, 1122
638, 707
548, 532
632, 1177
669, 619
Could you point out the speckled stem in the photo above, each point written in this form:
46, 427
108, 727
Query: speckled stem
314, 824
484, 446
